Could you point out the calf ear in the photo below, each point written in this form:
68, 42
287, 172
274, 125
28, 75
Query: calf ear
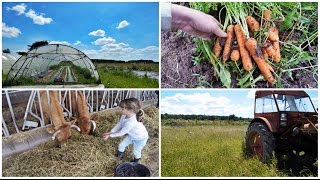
50, 130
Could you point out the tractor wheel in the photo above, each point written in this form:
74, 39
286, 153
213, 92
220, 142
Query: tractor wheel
259, 142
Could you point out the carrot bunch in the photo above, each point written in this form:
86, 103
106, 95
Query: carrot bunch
248, 48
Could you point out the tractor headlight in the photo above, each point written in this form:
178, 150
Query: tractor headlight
283, 120
295, 131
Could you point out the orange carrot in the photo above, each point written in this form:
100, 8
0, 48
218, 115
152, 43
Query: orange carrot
253, 24
274, 38
235, 55
269, 67
256, 53
276, 46
267, 46
228, 44
273, 34
266, 14
217, 48
265, 54
245, 57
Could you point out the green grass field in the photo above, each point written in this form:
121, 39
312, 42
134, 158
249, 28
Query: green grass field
113, 75
130, 65
211, 150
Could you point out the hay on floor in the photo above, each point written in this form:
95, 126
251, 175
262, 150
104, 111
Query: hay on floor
85, 155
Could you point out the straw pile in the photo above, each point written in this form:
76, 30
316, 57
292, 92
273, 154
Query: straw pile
85, 155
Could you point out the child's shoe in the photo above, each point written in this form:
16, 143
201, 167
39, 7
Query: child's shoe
120, 155
135, 160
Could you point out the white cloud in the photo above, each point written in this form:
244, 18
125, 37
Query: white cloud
90, 52
20, 8
203, 103
38, 19
10, 32
196, 103
104, 40
109, 49
118, 48
148, 49
60, 42
123, 24
251, 94
77, 43
122, 51
98, 32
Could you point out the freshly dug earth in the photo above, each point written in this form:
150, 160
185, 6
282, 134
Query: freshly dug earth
85, 155
178, 71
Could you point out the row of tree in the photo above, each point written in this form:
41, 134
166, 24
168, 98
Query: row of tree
117, 61
203, 117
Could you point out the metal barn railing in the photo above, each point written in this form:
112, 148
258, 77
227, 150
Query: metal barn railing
30, 105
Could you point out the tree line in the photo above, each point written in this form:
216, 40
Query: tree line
203, 117
117, 61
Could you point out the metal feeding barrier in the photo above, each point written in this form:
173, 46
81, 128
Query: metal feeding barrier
30, 101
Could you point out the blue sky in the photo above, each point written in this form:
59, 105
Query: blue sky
120, 31
213, 102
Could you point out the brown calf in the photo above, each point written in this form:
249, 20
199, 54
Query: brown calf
81, 113
61, 129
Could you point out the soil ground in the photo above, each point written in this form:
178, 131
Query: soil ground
178, 71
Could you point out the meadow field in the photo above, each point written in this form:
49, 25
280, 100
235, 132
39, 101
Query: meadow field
121, 74
209, 149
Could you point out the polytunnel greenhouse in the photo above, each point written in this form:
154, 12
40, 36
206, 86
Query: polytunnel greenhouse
52, 63
7, 61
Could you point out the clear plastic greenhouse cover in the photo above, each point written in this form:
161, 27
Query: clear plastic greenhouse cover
7, 61
39, 60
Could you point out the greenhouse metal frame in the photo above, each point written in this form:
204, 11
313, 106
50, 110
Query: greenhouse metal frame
39, 60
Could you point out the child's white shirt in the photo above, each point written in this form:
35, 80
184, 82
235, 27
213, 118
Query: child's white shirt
135, 130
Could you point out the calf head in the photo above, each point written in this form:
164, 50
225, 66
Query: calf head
62, 129
86, 125
62, 133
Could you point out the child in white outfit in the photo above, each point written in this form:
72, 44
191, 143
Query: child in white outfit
130, 124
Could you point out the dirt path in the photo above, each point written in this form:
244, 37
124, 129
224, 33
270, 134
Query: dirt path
70, 76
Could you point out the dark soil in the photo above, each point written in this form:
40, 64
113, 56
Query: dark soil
178, 70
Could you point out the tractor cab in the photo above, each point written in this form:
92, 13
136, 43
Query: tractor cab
281, 110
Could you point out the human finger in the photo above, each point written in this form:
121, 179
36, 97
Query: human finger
199, 34
218, 31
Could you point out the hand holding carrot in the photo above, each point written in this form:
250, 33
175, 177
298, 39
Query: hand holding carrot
195, 22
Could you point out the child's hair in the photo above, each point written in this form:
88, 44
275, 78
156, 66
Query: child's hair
134, 105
